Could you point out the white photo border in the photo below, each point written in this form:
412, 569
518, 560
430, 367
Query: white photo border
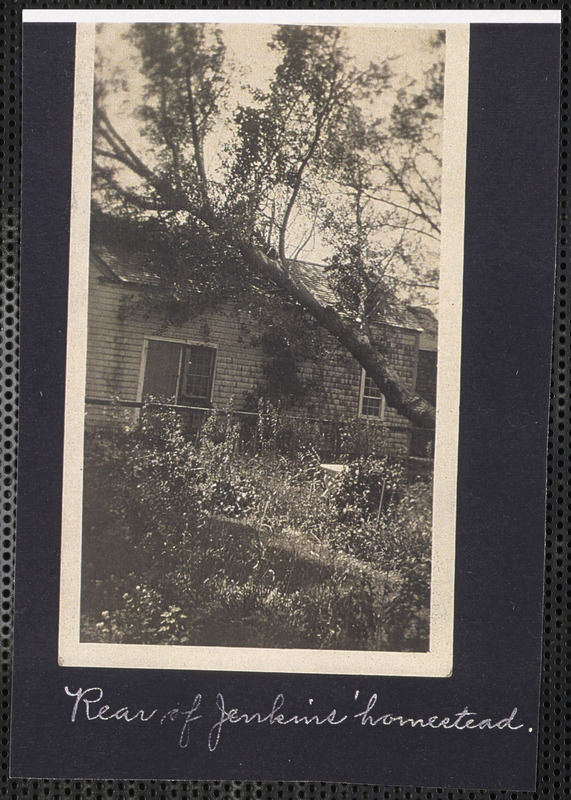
438, 661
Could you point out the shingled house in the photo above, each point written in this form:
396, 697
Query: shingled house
214, 360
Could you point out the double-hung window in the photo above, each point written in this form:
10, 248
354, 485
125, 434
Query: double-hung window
178, 372
371, 400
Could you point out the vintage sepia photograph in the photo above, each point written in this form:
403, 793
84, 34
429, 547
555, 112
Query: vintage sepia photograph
264, 347
284, 355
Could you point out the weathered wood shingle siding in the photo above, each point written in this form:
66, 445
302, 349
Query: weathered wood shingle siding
115, 360
116, 339
339, 380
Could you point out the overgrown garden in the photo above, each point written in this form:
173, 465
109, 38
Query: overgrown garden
233, 534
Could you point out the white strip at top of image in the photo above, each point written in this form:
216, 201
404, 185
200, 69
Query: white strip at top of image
297, 17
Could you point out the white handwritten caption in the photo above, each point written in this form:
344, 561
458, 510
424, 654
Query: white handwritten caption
88, 705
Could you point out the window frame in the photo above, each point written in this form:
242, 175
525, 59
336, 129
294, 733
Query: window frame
183, 344
362, 396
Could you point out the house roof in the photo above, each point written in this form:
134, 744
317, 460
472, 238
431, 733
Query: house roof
130, 267
412, 317
125, 267
428, 324
425, 318
313, 277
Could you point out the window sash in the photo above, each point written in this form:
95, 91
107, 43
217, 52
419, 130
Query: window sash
198, 373
372, 401
162, 369
179, 372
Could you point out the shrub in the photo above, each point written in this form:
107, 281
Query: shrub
281, 430
190, 537
368, 488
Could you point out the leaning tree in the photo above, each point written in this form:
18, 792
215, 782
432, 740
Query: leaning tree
304, 157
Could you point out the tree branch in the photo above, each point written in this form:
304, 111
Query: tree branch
321, 119
423, 215
120, 146
194, 129
412, 196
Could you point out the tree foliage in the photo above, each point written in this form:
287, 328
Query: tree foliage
305, 157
